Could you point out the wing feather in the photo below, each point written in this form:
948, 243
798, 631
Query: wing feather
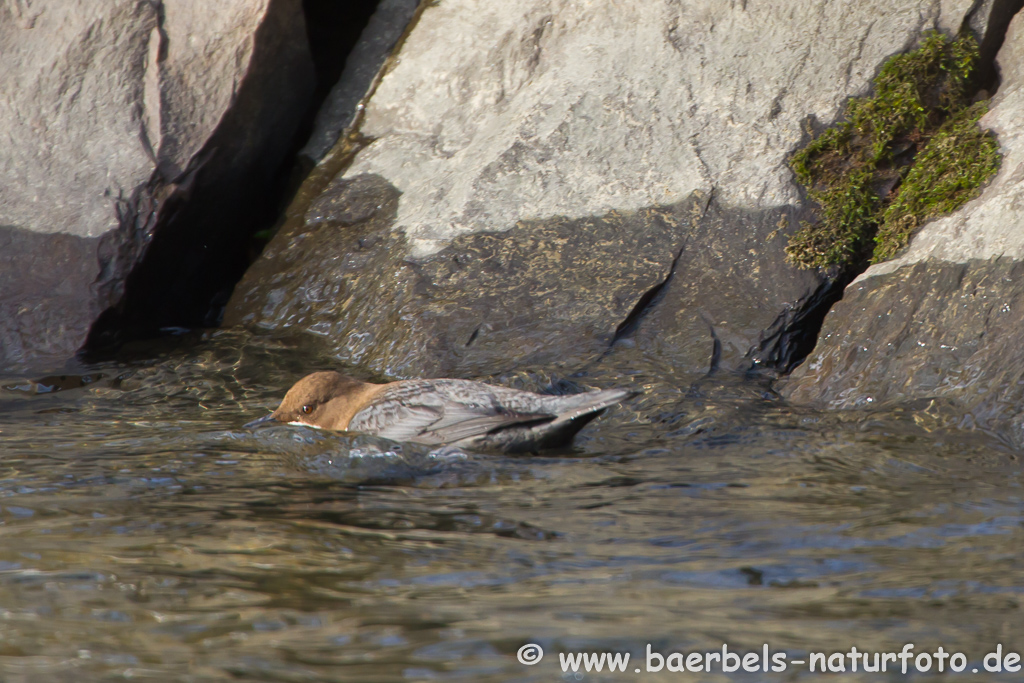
439, 411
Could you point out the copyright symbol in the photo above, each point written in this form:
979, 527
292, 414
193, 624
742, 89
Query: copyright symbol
530, 654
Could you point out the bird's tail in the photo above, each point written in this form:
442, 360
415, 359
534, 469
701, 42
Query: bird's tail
570, 408
571, 413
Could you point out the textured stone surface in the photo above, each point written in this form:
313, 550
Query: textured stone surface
39, 273
503, 129
543, 292
944, 318
731, 283
944, 335
499, 111
362, 65
105, 110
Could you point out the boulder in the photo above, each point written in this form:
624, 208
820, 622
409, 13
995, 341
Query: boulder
941, 324
548, 181
362, 67
109, 109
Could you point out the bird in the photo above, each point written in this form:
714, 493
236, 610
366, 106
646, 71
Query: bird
451, 412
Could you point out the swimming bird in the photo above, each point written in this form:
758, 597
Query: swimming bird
456, 412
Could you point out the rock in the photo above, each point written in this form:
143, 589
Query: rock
362, 67
484, 302
556, 181
109, 111
987, 21
942, 322
733, 298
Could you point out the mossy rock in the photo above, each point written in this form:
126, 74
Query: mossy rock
948, 172
910, 152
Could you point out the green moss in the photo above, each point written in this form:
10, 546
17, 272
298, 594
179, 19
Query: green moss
948, 172
839, 238
858, 170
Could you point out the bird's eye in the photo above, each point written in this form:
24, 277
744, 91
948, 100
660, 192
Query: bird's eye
307, 409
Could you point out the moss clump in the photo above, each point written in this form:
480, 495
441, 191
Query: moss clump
948, 172
866, 171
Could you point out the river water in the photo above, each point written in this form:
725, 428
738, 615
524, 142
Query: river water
145, 534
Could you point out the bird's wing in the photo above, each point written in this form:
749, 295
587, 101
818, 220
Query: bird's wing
426, 413
459, 424
395, 419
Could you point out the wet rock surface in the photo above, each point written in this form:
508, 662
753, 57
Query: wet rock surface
544, 292
942, 336
733, 297
35, 268
111, 112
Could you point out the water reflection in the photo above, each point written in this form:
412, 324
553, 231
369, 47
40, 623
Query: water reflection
143, 533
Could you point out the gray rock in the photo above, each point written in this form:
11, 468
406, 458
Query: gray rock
498, 112
544, 292
362, 67
733, 298
39, 275
987, 21
943, 320
940, 335
548, 169
108, 110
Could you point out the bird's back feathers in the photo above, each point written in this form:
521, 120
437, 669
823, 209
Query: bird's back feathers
461, 412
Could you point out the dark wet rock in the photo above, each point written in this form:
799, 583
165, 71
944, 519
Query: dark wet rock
346, 202
699, 285
732, 299
116, 115
543, 292
946, 336
43, 311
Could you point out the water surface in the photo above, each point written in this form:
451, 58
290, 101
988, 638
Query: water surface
145, 534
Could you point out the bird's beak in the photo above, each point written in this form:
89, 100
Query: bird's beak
256, 423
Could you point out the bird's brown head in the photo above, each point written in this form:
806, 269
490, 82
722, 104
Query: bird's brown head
324, 399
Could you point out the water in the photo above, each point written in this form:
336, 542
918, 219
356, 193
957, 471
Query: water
144, 534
